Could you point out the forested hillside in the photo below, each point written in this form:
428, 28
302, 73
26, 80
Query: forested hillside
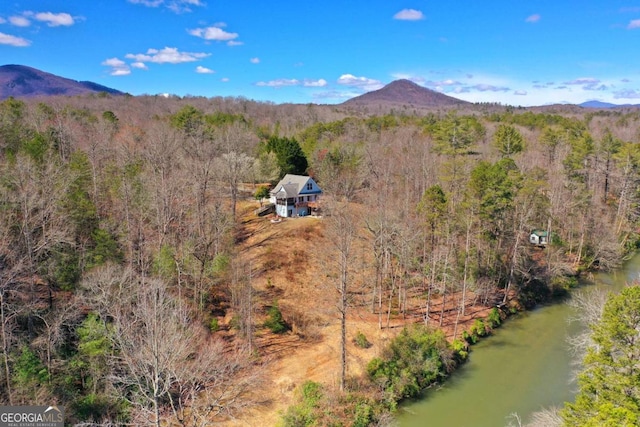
135, 285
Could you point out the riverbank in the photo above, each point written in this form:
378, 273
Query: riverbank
525, 366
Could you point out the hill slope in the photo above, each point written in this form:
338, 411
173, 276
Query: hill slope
20, 81
405, 92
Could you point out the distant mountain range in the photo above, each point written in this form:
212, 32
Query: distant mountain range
605, 105
408, 93
20, 81
405, 92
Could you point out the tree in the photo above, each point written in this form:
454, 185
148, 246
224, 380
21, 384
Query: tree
494, 188
291, 158
433, 207
340, 170
234, 168
508, 140
578, 162
261, 193
609, 392
189, 120
266, 167
342, 231
455, 134
33, 196
164, 362
609, 146
551, 138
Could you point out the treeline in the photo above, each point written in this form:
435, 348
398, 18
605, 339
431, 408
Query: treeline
119, 232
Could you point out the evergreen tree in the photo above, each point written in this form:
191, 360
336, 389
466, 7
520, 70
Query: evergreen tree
508, 140
610, 382
290, 157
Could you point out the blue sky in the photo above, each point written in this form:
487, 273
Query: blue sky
512, 52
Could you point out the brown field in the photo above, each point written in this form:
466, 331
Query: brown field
291, 263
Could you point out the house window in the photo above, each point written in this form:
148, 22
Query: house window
309, 186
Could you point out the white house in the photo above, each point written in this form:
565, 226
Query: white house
295, 195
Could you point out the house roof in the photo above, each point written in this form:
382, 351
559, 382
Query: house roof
540, 233
293, 185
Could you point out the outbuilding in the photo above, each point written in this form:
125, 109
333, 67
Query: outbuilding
539, 237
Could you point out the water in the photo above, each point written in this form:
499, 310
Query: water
524, 367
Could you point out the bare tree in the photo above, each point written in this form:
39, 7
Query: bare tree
33, 198
166, 365
215, 383
234, 168
342, 232
242, 299
161, 153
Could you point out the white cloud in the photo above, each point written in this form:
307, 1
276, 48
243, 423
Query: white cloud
314, 83
582, 81
489, 88
359, 82
139, 65
279, 83
446, 82
55, 19
180, 6
118, 67
234, 43
120, 72
148, 3
19, 21
168, 55
13, 40
335, 95
177, 6
532, 19
293, 82
213, 33
204, 70
587, 83
520, 92
627, 94
409, 15
634, 24
255, 60
224, 79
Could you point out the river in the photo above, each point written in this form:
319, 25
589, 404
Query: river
524, 366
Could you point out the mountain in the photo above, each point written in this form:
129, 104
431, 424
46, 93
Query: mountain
20, 81
605, 105
405, 92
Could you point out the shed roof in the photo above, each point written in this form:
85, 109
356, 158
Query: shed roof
540, 233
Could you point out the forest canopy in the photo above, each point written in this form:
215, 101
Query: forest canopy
124, 222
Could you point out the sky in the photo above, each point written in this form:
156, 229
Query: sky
519, 53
